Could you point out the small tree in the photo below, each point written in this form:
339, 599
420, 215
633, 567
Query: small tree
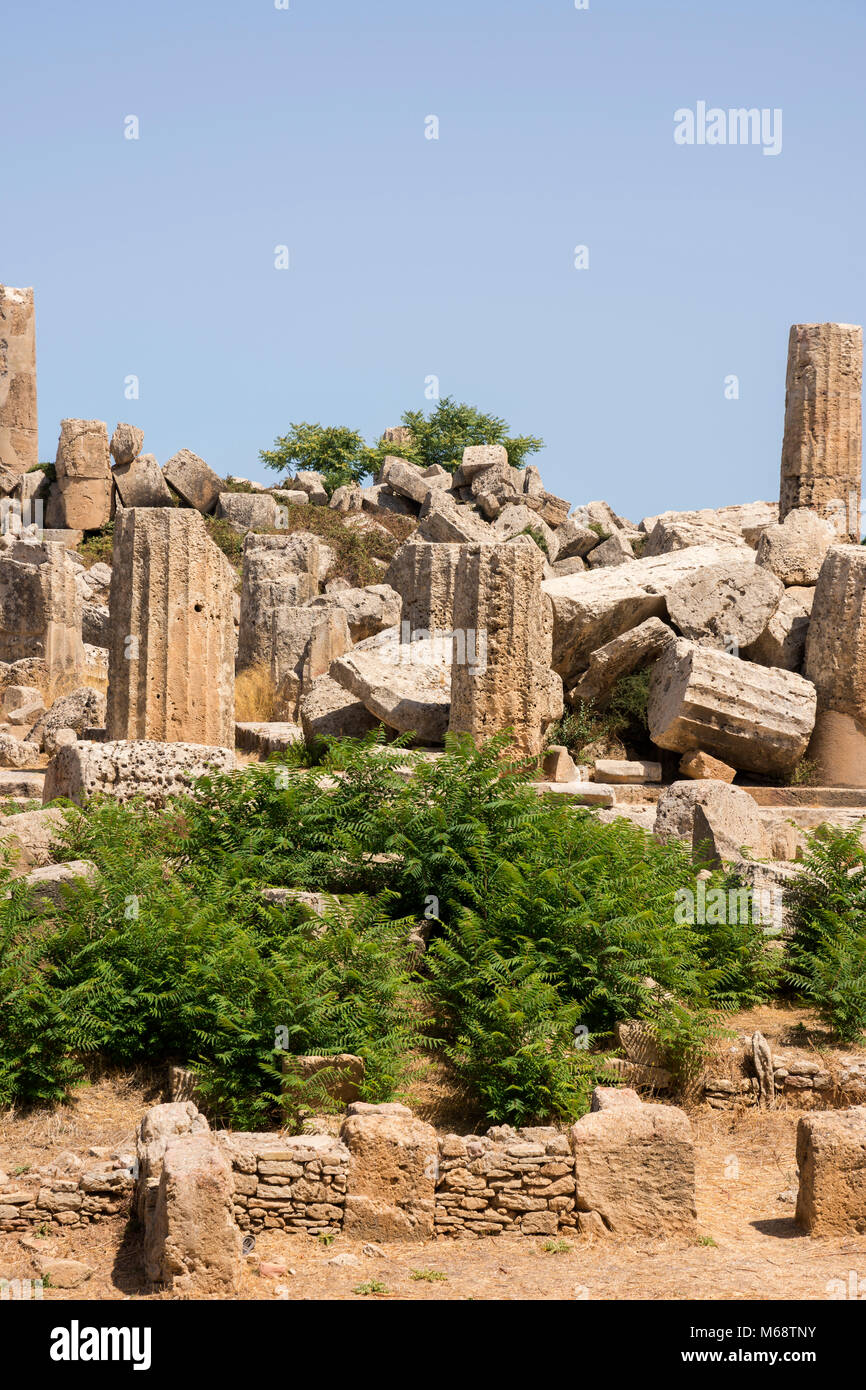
442, 436
335, 451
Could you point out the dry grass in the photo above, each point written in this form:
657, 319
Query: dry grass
256, 698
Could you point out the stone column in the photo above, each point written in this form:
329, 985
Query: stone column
501, 674
19, 440
171, 651
836, 664
822, 449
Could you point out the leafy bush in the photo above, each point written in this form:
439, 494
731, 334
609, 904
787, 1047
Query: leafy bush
826, 960
544, 922
441, 437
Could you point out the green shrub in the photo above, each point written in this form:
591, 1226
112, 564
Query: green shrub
826, 960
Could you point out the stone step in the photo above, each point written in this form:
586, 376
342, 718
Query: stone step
267, 738
18, 783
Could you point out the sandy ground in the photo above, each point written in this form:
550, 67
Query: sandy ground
749, 1246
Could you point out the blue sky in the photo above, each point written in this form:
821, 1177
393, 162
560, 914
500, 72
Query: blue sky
454, 257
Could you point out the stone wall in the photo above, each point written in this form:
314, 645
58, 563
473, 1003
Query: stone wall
288, 1183
19, 441
517, 1181
73, 1192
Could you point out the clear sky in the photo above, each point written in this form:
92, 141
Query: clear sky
413, 257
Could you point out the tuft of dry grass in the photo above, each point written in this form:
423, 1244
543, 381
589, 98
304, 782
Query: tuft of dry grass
256, 698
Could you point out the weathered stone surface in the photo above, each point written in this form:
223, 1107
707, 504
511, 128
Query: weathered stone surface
614, 551
280, 573
141, 483
347, 499
756, 719
14, 751
700, 766
726, 606
329, 639
794, 549
313, 484
636, 770
248, 510
835, 661
380, 499
81, 497
670, 534
514, 519
123, 769
49, 883
19, 442
159, 1124
441, 519
747, 521
393, 1165
81, 709
32, 836
822, 448
635, 1167
479, 458
171, 658
831, 1157
407, 685
368, 611
40, 606
592, 608
191, 1243
720, 819
783, 641
267, 736
193, 481
126, 445
95, 625
327, 710
424, 576
558, 765
632, 651
406, 479
575, 539
501, 676
495, 488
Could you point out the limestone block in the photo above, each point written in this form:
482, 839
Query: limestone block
501, 676
40, 606
193, 481
700, 766
406, 479
406, 685
831, 1157
721, 820
368, 611
248, 510
635, 1167
125, 769
81, 497
836, 662
726, 606
393, 1166
328, 710
632, 651
755, 718
424, 574
592, 608
794, 549
783, 641
141, 483
172, 649
126, 445
192, 1244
